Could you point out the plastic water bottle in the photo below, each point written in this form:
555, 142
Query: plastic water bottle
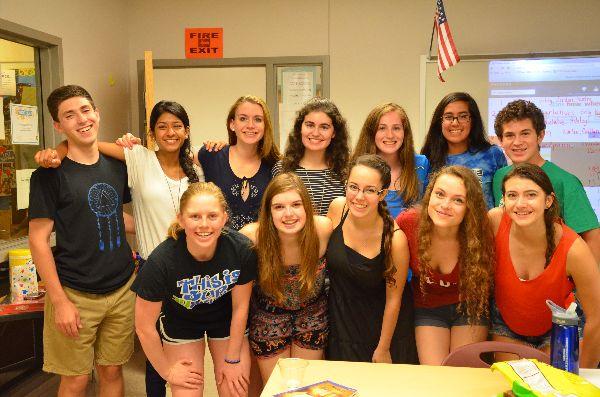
564, 341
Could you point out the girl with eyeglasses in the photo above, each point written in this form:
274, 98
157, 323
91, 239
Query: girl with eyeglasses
387, 132
456, 136
452, 259
317, 150
288, 316
370, 310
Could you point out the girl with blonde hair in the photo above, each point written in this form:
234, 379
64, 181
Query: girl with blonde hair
198, 283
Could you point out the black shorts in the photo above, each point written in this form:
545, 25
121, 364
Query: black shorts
190, 333
446, 316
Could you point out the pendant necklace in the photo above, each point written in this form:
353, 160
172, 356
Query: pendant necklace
174, 202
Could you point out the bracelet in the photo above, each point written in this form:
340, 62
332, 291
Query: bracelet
232, 361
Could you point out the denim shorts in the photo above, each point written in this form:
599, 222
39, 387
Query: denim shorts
446, 316
500, 328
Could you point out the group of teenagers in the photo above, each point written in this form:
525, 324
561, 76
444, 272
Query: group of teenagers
377, 254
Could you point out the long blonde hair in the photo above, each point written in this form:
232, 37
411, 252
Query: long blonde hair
193, 190
268, 246
476, 245
407, 183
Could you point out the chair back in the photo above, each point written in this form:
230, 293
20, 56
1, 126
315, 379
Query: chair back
470, 355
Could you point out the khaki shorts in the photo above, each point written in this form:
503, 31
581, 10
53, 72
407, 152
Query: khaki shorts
105, 339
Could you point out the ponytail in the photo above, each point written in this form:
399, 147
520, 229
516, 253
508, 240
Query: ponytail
387, 235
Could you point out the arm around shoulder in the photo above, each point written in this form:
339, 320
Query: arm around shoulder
112, 150
251, 231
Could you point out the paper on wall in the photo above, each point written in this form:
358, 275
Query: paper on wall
24, 124
8, 83
23, 177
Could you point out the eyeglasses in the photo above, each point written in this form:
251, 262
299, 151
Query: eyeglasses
367, 191
462, 118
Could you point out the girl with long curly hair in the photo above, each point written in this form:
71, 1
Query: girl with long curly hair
370, 310
387, 133
456, 136
289, 306
317, 150
452, 259
538, 257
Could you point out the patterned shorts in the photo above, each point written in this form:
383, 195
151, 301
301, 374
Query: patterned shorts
273, 328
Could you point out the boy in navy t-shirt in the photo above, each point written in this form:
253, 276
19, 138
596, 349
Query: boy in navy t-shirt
88, 314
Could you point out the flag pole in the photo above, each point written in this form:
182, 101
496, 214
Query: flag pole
431, 40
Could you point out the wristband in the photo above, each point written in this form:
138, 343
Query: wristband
232, 361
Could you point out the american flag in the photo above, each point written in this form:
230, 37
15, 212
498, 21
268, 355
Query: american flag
447, 54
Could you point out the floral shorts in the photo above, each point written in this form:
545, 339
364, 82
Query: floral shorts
273, 328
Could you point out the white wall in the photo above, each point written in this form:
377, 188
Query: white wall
374, 46
95, 49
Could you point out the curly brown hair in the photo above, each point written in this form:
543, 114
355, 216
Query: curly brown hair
337, 153
268, 245
519, 110
267, 149
407, 184
552, 214
476, 242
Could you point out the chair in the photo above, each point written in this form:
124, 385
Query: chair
470, 355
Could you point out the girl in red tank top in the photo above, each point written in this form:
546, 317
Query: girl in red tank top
452, 259
539, 258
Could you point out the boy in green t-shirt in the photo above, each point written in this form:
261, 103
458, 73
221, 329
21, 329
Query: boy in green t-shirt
520, 127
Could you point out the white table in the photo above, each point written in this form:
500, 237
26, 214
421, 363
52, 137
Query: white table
406, 380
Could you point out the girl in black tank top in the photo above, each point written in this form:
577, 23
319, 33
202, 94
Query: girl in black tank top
371, 313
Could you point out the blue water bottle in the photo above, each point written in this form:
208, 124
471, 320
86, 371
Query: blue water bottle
564, 342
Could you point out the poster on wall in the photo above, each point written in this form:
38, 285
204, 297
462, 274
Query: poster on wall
8, 83
298, 85
24, 124
206, 43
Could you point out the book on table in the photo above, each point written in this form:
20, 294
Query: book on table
324, 388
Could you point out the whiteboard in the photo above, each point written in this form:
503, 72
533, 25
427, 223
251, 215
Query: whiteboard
207, 93
566, 89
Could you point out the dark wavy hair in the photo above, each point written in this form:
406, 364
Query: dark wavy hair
519, 110
436, 146
552, 214
337, 153
185, 157
378, 164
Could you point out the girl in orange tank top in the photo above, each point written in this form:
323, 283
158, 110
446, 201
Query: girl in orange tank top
539, 258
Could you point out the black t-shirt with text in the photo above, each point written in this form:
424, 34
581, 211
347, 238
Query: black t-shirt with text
196, 293
86, 204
